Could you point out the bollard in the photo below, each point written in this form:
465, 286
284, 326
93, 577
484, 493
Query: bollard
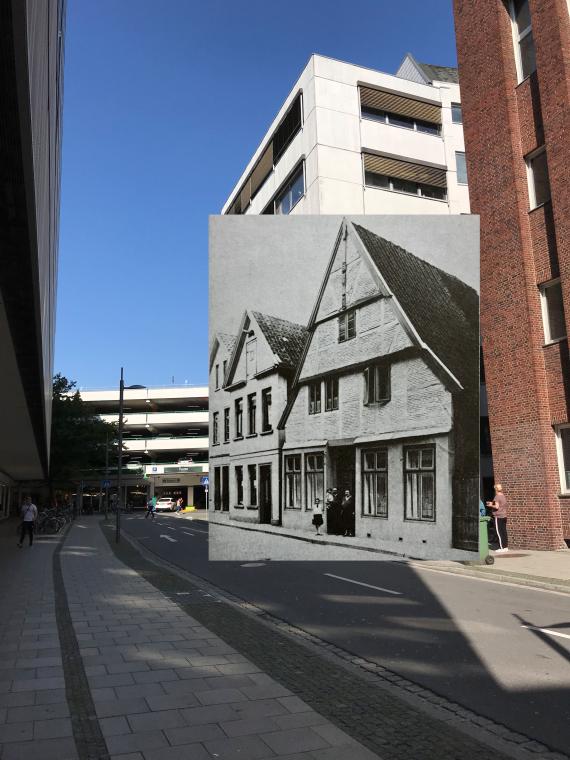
484, 555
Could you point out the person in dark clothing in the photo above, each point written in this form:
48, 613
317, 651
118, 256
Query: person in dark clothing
29, 514
347, 514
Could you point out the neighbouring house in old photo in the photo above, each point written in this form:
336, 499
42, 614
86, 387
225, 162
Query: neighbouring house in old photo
376, 396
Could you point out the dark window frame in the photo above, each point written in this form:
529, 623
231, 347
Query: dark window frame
215, 431
375, 474
238, 417
227, 424
312, 474
315, 397
266, 426
293, 481
422, 189
372, 385
252, 469
420, 471
331, 394
252, 414
398, 120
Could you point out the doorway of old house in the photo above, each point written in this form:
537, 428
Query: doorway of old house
343, 478
264, 493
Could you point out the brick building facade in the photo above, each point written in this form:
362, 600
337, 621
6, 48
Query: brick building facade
514, 70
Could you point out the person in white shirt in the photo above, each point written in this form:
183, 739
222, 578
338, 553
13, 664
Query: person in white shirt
318, 515
29, 515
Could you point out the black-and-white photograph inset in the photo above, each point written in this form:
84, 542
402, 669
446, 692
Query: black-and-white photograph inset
344, 388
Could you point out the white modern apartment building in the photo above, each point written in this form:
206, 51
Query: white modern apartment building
165, 439
352, 140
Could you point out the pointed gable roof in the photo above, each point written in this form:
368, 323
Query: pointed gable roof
443, 310
286, 339
426, 73
227, 341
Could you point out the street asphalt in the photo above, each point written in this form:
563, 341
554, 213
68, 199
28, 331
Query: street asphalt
500, 650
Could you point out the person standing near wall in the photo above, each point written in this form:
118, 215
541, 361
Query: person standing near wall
499, 507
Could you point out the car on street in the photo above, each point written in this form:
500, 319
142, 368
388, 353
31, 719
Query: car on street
165, 504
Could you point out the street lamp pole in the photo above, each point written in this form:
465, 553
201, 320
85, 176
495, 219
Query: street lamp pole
120, 458
106, 475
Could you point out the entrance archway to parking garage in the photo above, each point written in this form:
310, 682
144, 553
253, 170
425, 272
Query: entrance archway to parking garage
265, 493
342, 477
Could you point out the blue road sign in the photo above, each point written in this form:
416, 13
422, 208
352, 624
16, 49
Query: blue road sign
105, 483
205, 480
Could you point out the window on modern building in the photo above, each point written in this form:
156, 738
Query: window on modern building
266, 410
293, 481
239, 485
239, 418
217, 372
315, 397
331, 394
375, 483
563, 445
282, 138
314, 478
399, 110
217, 489
291, 193
538, 182
461, 168
456, 115
251, 413
524, 43
347, 325
252, 475
394, 120
419, 482
225, 488
226, 424
377, 384
215, 438
553, 316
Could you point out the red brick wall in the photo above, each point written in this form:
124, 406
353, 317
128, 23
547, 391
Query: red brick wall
502, 122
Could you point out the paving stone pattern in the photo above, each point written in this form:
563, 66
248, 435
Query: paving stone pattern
386, 720
164, 686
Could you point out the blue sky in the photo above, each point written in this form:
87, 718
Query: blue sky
164, 105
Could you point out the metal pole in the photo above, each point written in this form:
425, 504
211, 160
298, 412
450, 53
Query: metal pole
106, 475
120, 460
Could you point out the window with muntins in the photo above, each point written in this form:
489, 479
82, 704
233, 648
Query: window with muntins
314, 479
553, 317
251, 413
347, 325
293, 494
377, 384
215, 428
538, 181
375, 483
252, 475
239, 417
524, 43
315, 397
226, 425
419, 482
266, 410
331, 394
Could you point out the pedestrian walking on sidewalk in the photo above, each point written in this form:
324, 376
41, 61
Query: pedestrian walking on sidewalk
499, 507
29, 515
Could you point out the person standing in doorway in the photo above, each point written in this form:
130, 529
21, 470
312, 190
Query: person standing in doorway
29, 514
499, 507
347, 514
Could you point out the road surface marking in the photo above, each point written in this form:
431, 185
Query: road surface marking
253, 564
168, 527
168, 538
547, 630
359, 583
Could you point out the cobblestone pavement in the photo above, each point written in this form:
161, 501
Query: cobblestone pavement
104, 654
391, 715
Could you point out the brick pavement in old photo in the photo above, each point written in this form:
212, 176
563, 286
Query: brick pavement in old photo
104, 654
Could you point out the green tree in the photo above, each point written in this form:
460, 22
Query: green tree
78, 438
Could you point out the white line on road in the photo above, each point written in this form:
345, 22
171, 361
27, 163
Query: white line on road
547, 630
359, 583
168, 538
168, 527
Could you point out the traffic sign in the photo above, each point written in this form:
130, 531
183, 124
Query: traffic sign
105, 483
205, 480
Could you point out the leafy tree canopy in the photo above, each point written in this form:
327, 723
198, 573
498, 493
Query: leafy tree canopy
78, 438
